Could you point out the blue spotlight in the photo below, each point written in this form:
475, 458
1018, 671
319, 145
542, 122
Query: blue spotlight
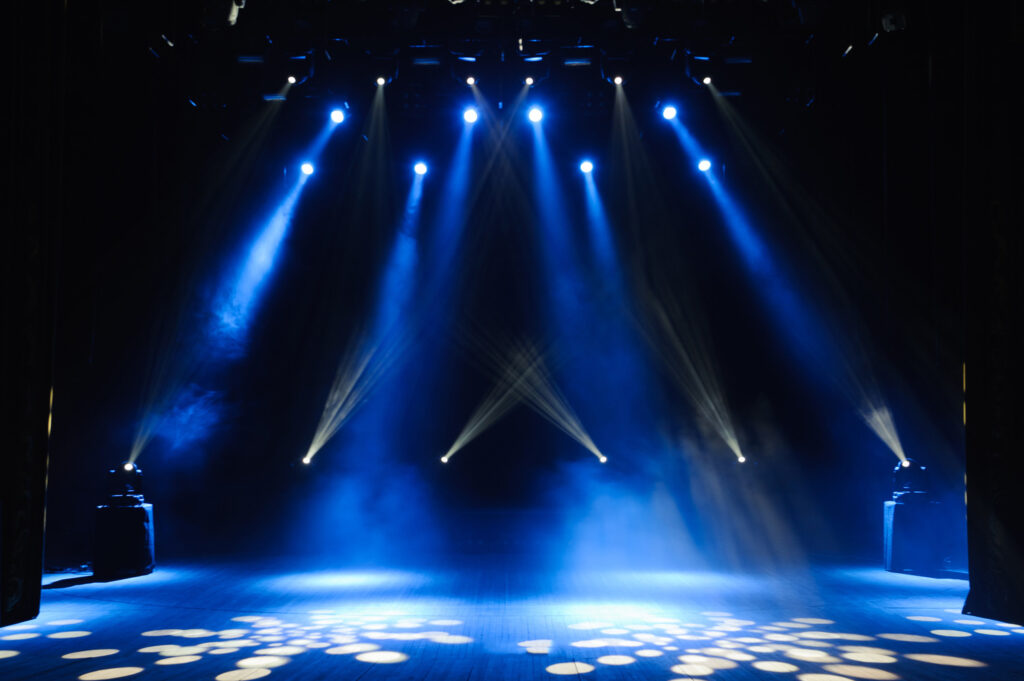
470, 115
306, 168
420, 168
704, 165
337, 116
587, 166
535, 114
669, 112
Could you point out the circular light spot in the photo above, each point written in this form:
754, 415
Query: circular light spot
1017, 631
262, 661
908, 638
781, 637
180, 659
821, 677
159, 649
810, 655
616, 659
858, 672
279, 650
68, 634
590, 625
649, 652
61, 623
243, 674
445, 623
870, 658
946, 660
710, 662
614, 631
112, 673
232, 633
382, 657
569, 668
538, 651
18, 637
197, 633
352, 649
969, 621
951, 633
924, 618
8, 653
537, 643
867, 649
775, 666
992, 632
451, 639
174, 651
223, 651
692, 669
811, 620
86, 654
162, 632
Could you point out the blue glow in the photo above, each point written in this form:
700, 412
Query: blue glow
534, 59
306, 168
600, 230
587, 166
806, 335
470, 115
704, 165
535, 114
337, 116
669, 112
420, 168
395, 286
235, 311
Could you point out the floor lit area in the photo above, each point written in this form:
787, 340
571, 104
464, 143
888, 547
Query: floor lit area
483, 622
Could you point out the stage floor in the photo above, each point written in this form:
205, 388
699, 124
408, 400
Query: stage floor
486, 621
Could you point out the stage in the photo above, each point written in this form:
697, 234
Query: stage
488, 621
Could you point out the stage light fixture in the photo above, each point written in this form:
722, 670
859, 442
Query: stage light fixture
586, 166
669, 112
291, 80
444, 459
603, 459
123, 543
471, 81
306, 460
381, 80
470, 115
535, 114
742, 459
704, 165
306, 168
707, 80
618, 80
337, 116
910, 481
420, 168
529, 80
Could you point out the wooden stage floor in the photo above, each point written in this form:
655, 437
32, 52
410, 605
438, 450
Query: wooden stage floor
489, 621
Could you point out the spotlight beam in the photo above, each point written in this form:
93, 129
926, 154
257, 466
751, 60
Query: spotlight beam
828, 352
673, 326
372, 355
523, 376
